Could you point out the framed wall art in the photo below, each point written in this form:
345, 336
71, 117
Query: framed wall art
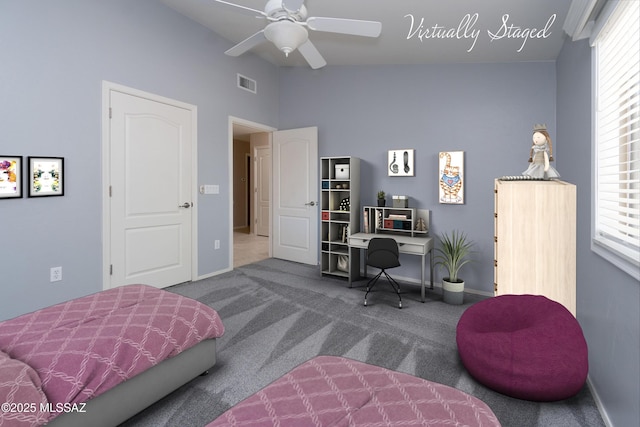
46, 176
10, 177
451, 177
400, 162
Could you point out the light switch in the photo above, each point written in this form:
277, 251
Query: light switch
210, 189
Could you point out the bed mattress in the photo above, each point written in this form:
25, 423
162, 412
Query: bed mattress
84, 347
335, 391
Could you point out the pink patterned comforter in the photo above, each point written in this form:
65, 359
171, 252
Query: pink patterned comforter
334, 391
84, 347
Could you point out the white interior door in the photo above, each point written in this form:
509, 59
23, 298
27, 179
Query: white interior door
151, 191
262, 186
295, 190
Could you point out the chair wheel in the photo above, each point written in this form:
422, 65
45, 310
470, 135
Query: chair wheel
365, 303
399, 305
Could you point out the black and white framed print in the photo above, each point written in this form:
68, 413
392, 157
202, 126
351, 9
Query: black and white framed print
46, 176
400, 162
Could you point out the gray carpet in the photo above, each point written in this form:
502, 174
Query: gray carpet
278, 314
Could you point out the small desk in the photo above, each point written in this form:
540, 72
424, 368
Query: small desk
406, 245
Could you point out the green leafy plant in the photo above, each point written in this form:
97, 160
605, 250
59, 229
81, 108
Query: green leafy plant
453, 253
381, 194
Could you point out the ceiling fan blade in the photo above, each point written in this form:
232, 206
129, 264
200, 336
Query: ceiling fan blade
345, 26
242, 9
247, 44
292, 5
311, 55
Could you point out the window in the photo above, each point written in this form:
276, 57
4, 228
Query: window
617, 137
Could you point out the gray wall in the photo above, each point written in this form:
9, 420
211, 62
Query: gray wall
55, 56
608, 299
486, 110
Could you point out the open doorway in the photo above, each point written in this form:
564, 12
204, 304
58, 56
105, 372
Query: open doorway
250, 191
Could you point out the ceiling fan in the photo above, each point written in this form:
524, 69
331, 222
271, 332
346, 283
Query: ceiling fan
288, 25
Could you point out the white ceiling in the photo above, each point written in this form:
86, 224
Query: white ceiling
395, 45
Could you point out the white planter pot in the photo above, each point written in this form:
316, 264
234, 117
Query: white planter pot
452, 292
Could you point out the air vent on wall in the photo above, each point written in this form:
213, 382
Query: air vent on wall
247, 84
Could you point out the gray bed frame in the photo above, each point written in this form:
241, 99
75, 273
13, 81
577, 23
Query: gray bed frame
132, 396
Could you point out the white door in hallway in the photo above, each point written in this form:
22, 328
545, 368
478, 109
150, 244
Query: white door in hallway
151, 207
295, 190
262, 186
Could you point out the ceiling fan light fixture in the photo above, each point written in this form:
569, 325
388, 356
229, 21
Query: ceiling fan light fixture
286, 35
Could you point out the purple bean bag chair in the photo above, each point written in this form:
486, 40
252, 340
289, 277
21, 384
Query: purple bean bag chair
524, 346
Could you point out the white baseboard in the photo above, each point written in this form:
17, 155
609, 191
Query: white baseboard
414, 281
599, 405
215, 273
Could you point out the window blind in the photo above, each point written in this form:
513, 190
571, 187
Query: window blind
617, 134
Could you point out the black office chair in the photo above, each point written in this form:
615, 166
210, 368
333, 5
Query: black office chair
383, 253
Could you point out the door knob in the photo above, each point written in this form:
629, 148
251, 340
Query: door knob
310, 204
185, 205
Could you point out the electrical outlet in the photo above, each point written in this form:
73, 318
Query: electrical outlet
216, 244
55, 274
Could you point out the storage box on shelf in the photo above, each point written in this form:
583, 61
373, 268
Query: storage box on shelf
340, 213
342, 171
407, 221
400, 201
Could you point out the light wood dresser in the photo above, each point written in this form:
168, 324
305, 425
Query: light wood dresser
535, 240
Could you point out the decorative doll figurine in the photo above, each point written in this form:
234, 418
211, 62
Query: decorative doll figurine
540, 155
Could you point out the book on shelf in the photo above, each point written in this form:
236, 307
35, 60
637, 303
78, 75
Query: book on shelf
366, 221
397, 216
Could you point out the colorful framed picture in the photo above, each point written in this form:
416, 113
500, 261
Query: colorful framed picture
46, 176
451, 177
10, 177
400, 162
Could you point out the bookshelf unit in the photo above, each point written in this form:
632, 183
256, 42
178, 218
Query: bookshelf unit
340, 181
400, 221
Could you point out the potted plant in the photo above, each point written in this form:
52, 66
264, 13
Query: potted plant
381, 198
454, 252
